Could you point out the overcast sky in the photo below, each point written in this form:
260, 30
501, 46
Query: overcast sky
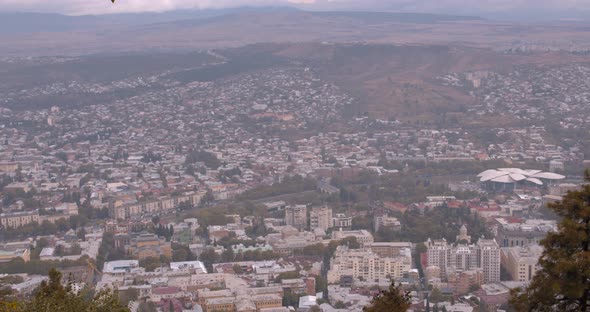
524, 8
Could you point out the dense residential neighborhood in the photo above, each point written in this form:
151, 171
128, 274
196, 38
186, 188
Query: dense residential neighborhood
260, 185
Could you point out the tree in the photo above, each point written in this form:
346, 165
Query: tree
392, 300
53, 296
563, 283
436, 295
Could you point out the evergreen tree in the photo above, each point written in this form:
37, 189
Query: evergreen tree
53, 296
392, 300
563, 283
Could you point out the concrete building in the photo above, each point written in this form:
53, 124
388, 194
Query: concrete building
484, 255
8, 255
488, 253
149, 245
368, 266
530, 232
521, 262
320, 218
362, 236
389, 249
383, 221
341, 221
18, 219
296, 216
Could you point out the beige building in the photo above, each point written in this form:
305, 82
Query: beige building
8, 166
18, 219
367, 265
149, 245
120, 210
389, 249
7, 255
362, 236
320, 218
226, 301
296, 216
521, 262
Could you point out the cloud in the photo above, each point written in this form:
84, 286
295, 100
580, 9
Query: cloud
77, 7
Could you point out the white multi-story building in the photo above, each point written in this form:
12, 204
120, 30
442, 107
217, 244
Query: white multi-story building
341, 221
367, 265
484, 255
363, 237
521, 262
320, 218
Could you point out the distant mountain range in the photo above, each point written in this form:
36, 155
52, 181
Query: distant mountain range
20, 23
37, 34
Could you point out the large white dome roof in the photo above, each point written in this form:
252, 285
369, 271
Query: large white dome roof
512, 175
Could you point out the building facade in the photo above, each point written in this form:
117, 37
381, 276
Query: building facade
522, 262
485, 255
366, 265
320, 218
296, 216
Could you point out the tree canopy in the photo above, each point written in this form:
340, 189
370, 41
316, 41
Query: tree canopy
563, 283
53, 296
394, 299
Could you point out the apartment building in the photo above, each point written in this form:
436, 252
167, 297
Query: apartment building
521, 262
485, 255
366, 265
321, 218
296, 216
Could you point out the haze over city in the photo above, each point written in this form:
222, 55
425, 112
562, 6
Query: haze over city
294, 155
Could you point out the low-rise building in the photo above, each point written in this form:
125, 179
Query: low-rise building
149, 245
18, 219
362, 236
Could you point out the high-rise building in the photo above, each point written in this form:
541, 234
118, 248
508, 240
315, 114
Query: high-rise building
489, 259
320, 217
484, 255
296, 216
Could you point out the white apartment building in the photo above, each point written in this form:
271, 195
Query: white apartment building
367, 265
320, 218
362, 236
484, 255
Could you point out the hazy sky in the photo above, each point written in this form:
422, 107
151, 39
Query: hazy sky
558, 8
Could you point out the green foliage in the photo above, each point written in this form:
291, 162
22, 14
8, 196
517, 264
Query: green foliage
563, 283
392, 300
38, 267
238, 269
289, 185
440, 222
287, 275
210, 160
53, 296
127, 295
182, 253
291, 299
152, 263
108, 252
